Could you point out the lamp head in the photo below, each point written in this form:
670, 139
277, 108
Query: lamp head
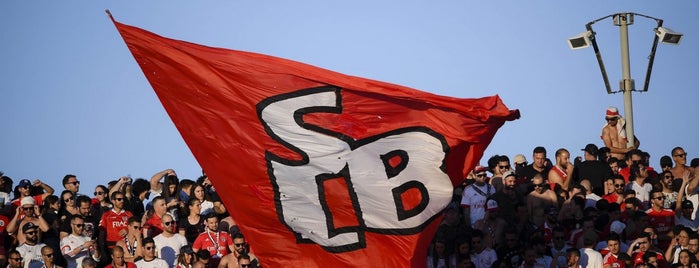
581, 40
668, 36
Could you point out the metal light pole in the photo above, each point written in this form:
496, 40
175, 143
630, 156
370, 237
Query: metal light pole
623, 20
626, 85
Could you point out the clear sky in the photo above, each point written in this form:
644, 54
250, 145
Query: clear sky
73, 100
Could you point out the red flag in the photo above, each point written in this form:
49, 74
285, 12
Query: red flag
318, 168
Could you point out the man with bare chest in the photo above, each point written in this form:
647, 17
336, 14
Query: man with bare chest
614, 134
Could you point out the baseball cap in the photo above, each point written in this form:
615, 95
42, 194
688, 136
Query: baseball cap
27, 200
491, 205
617, 227
187, 249
27, 226
591, 149
519, 159
479, 169
24, 183
508, 173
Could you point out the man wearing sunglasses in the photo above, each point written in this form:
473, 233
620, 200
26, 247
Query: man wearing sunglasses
24, 188
30, 250
169, 242
149, 259
26, 213
14, 259
660, 218
614, 134
48, 257
76, 246
618, 195
241, 251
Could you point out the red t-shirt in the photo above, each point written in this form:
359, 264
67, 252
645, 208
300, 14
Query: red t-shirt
38, 201
113, 222
662, 221
128, 265
213, 242
154, 224
611, 259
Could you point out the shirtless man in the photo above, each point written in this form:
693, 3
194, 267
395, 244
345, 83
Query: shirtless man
679, 156
614, 134
540, 199
562, 172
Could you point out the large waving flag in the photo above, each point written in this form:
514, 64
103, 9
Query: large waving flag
319, 169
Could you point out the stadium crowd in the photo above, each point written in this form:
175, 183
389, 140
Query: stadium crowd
596, 211
162, 222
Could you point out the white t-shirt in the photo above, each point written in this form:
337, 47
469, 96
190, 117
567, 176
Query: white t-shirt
485, 259
168, 249
206, 207
474, 198
31, 255
71, 242
590, 258
154, 263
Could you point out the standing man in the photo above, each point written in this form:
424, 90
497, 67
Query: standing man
26, 213
611, 260
474, 196
30, 250
561, 172
614, 134
76, 246
72, 184
91, 222
539, 166
660, 218
114, 223
680, 158
168, 243
153, 226
217, 243
539, 199
508, 198
24, 189
589, 257
149, 259
596, 171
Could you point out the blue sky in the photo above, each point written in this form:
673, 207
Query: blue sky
73, 100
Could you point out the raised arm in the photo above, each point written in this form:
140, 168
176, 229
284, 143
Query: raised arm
155, 185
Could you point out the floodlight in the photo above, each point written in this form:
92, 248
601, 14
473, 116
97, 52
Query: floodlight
668, 36
579, 41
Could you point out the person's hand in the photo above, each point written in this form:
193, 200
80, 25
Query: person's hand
18, 212
123, 232
36, 182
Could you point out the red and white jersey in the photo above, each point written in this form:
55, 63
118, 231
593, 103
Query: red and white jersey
70, 243
217, 243
113, 222
663, 220
611, 260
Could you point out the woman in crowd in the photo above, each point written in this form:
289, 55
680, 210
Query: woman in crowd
103, 203
200, 193
186, 258
193, 224
68, 206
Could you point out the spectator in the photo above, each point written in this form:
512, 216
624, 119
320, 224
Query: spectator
217, 243
89, 263
679, 156
639, 247
24, 190
72, 184
186, 258
594, 170
114, 222
153, 225
508, 197
482, 256
15, 260
491, 225
614, 134
665, 183
140, 191
538, 166
48, 258
632, 157
438, 257
559, 248
30, 249
539, 199
91, 222
132, 242
168, 190
561, 172
474, 196
118, 259
638, 183
75, 247
684, 214
588, 256
150, 260
681, 242
618, 195
200, 193
25, 214
520, 163
101, 200
203, 259
168, 243
68, 206
193, 224
611, 259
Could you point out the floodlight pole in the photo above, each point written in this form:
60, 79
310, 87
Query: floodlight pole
623, 20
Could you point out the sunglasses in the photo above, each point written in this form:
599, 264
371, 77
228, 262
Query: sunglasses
504, 167
79, 225
68, 199
74, 183
239, 245
30, 233
99, 193
618, 185
150, 248
119, 199
28, 209
16, 259
25, 186
659, 198
50, 255
538, 185
168, 223
137, 227
245, 265
669, 177
480, 175
680, 155
611, 119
